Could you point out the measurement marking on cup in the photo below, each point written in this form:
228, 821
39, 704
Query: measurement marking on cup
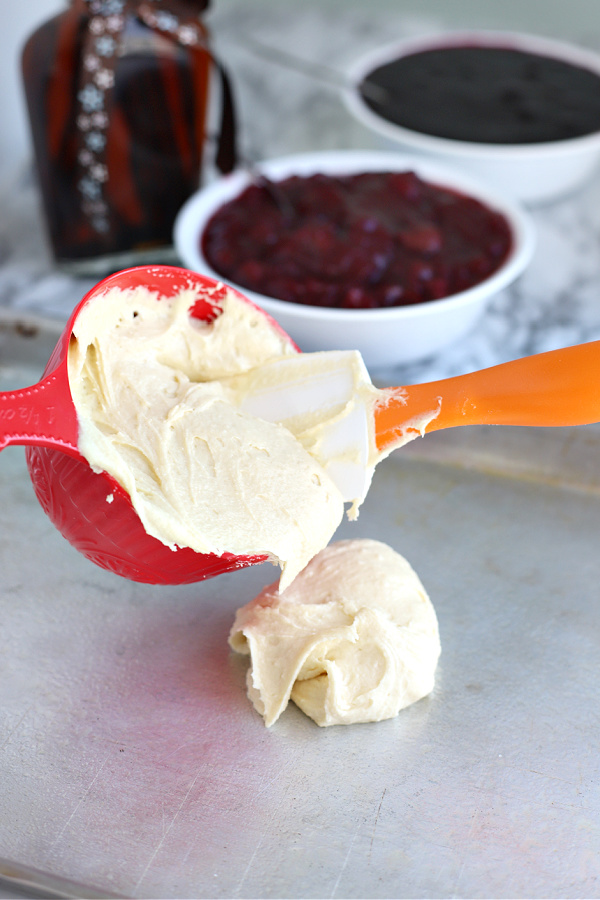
25, 415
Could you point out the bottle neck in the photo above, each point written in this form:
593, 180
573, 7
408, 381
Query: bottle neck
179, 8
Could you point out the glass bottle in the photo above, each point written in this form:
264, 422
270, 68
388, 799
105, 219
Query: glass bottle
117, 94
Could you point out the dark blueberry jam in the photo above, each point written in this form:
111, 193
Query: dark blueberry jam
366, 241
488, 95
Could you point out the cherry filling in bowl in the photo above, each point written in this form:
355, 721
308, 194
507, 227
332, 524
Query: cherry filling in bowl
366, 241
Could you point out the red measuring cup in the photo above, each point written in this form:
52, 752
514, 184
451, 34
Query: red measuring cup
74, 497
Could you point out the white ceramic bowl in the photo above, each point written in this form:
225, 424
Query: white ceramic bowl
385, 337
532, 173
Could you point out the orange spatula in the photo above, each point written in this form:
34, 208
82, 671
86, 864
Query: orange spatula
351, 425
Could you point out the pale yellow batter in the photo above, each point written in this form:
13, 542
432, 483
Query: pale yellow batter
149, 385
353, 639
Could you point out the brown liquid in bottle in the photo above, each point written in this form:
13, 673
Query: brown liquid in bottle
118, 113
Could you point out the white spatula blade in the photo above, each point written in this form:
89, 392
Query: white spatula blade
321, 398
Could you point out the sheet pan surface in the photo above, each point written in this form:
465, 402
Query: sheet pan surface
131, 761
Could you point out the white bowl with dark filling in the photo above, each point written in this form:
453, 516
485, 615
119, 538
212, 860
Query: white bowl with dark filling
520, 111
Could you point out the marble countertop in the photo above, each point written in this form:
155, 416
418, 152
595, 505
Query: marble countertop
555, 303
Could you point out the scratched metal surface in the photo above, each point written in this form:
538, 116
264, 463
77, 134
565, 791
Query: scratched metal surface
132, 763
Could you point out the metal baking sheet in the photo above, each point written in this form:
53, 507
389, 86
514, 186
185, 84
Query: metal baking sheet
131, 762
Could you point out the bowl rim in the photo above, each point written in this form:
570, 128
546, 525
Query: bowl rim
198, 209
563, 50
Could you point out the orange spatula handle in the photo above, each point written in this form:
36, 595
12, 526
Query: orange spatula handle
561, 387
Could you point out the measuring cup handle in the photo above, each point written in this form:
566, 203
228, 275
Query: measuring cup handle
42, 414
